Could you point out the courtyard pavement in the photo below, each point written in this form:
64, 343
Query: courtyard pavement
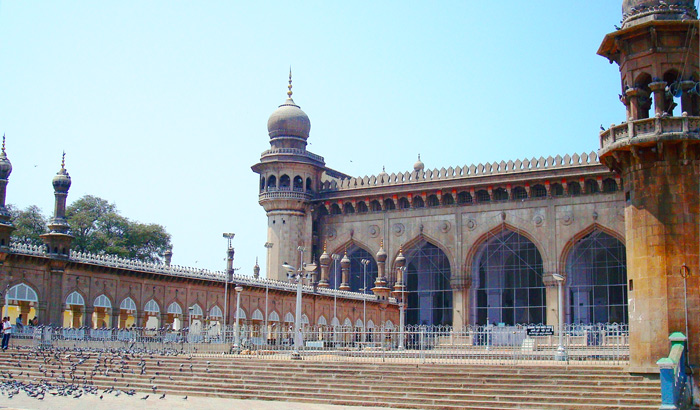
109, 402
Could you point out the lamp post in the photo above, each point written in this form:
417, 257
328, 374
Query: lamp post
229, 272
237, 342
364, 262
299, 276
189, 323
561, 351
402, 309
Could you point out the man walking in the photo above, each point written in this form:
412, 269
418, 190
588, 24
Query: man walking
6, 332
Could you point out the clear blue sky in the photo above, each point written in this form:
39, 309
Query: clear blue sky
162, 106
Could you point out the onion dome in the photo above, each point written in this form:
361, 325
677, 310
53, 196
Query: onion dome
5, 165
638, 11
61, 182
400, 259
345, 262
418, 166
381, 253
325, 259
289, 120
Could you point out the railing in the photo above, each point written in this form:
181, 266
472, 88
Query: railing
676, 390
648, 127
276, 193
584, 344
293, 151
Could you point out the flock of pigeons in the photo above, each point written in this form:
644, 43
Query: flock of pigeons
79, 372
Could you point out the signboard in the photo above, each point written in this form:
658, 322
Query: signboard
540, 330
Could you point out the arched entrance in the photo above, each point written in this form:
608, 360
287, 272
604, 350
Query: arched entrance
151, 315
507, 281
175, 316
21, 300
101, 317
427, 279
73, 313
596, 271
127, 313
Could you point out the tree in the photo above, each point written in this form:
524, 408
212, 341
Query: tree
99, 228
29, 224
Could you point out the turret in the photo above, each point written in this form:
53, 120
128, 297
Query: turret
6, 226
58, 239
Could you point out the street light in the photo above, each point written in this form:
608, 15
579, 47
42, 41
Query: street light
237, 342
229, 272
364, 262
303, 272
402, 309
561, 351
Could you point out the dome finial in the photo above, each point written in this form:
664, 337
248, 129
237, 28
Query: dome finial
289, 93
3, 142
63, 159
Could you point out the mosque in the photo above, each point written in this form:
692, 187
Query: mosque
491, 243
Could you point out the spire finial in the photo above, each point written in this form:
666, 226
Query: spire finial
63, 160
381, 243
256, 261
3, 142
419, 156
325, 246
383, 168
289, 93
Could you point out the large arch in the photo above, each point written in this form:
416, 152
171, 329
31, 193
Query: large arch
21, 299
507, 286
74, 310
102, 313
427, 280
596, 277
356, 252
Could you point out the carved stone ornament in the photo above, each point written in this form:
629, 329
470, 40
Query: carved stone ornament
373, 231
445, 226
538, 220
398, 229
471, 224
568, 219
331, 234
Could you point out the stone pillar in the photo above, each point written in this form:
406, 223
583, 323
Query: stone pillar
324, 261
552, 300
345, 272
77, 316
658, 89
87, 316
461, 304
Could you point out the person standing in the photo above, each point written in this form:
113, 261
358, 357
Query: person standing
6, 332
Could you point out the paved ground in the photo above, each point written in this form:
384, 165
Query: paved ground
90, 402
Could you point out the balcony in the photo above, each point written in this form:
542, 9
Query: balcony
649, 131
285, 193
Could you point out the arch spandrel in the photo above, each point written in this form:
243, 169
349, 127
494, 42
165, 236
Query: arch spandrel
575, 238
417, 241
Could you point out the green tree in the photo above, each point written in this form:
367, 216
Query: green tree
29, 224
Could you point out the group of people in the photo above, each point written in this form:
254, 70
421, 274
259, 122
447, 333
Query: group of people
7, 328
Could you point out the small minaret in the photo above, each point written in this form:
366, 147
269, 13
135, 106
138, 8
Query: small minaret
399, 286
256, 269
58, 239
345, 272
6, 227
325, 262
380, 289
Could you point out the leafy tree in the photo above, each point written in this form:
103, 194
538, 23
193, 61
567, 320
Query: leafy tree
29, 224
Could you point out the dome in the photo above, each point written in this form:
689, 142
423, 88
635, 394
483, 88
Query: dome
645, 10
400, 259
5, 164
381, 254
61, 182
418, 166
325, 259
345, 262
288, 121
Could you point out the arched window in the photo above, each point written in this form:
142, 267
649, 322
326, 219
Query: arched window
433, 201
609, 185
322, 321
362, 207
240, 314
21, 293
356, 271
174, 309
298, 183
348, 208
196, 310
500, 194
347, 322
596, 271
262, 183
335, 322
464, 197
215, 312
151, 307
358, 323
644, 95
574, 188
591, 186
428, 285
375, 206
304, 319
448, 199
508, 273
538, 191
75, 299
482, 195
271, 182
673, 87
288, 317
557, 189
335, 210
102, 301
257, 315
519, 193
322, 211
309, 185
389, 204
418, 202
403, 203
284, 182
273, 317
128, 304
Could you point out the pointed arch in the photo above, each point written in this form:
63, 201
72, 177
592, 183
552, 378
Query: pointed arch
288, 317
152, 307
22, 292
102, 301
128, 304
273, 317
322, 321
356, 252
257, 315
417, 240
335, 322
240, 314
503, 226
196, 310
347, 322
581, 234
215, 312
175, 309
304, 319
75, 299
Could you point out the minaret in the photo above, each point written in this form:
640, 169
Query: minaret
656, 151
380, 289
325, 262
256, 269
345, 272
6, 226
289, 179
58, 240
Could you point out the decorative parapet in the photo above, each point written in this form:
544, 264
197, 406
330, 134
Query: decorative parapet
679, 11
293, 151
183, 271
648, 130
465, 172
281, 193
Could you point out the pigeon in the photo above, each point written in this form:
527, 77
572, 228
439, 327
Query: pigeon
145, 397
162, 397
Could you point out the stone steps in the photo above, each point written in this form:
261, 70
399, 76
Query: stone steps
434, 386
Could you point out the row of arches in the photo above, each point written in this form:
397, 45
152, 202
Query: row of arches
499, 194
285, 183
640, 97
507, 279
